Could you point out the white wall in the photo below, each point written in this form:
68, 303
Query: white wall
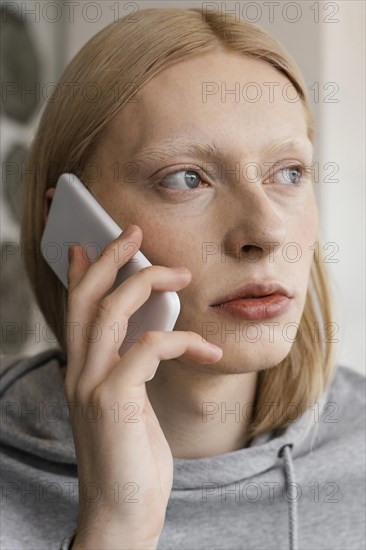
342, 140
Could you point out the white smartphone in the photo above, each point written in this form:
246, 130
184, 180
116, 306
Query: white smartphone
76, 217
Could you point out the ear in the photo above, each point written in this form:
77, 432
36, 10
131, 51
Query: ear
48, 196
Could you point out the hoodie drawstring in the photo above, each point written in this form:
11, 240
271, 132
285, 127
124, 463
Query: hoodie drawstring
285, 451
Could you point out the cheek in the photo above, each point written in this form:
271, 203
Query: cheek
168, 244
303, 228
300, 255
168, 238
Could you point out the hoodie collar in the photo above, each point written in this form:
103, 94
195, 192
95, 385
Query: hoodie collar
244, 463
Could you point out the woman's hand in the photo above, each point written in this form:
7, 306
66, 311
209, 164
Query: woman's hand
125, 465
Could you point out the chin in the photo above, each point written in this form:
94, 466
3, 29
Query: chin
248, 346
242, 358
260, 346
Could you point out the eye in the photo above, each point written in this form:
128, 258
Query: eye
289, 174
181, 180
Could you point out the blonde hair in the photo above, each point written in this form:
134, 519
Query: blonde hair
134, 51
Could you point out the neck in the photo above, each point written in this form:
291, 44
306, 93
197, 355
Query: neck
202, 414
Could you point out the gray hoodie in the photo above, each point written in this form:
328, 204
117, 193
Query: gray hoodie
304, 488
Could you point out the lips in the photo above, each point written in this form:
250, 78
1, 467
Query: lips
254, 290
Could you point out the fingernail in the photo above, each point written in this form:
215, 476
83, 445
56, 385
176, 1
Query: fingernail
216, 349
129, 230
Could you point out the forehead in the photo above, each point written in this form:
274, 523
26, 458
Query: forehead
230, 94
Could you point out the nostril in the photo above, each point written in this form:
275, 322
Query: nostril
252, 252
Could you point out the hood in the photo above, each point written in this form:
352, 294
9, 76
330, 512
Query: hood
35, 420
35, 416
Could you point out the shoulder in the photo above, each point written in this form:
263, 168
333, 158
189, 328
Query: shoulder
16, 370
344, 411
348, 386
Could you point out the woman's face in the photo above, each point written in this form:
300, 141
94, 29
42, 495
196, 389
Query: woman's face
234, 219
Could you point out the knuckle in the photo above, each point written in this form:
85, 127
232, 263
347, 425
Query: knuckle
99, 395
104, 307
145, 271
72, 300
150, 338
111, 253
80, 395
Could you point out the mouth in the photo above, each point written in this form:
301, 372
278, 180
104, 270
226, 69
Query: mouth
255, 291
255, 302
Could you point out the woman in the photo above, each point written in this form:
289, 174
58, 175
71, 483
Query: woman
255, 442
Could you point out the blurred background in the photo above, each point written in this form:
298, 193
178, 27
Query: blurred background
327, 41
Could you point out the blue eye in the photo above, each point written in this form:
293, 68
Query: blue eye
293, 175
187, 179
191, 179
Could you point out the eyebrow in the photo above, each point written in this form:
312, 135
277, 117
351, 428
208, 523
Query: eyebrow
173, 147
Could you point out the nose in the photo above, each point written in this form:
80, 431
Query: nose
258, 230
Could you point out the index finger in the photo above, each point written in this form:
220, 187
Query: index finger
89, 284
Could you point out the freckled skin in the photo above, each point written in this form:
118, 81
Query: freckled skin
230, 214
